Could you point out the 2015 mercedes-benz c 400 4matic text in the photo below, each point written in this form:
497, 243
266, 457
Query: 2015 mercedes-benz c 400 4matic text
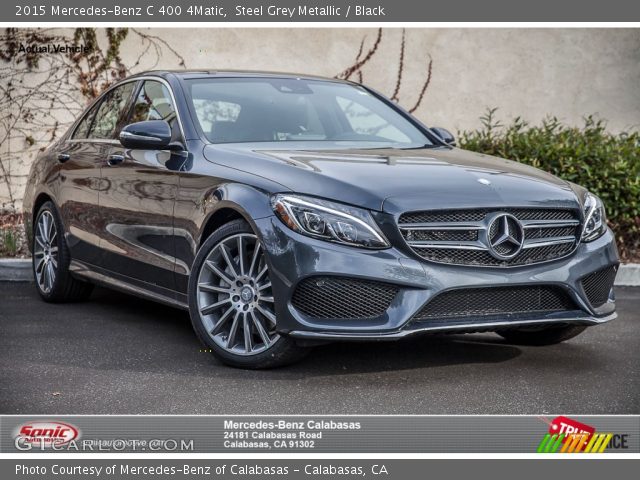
285, 211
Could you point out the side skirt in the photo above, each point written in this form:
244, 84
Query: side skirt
103, 277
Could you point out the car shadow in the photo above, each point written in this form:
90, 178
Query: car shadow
340, 358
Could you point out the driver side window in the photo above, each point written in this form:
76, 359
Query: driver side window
153, 103
110, 112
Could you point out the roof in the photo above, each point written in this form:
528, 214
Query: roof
200, 73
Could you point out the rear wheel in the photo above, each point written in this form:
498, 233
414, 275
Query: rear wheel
51, 260
541, 335
231, 301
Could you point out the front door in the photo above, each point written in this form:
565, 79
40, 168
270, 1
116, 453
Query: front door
138, 197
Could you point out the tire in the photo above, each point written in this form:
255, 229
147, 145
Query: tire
541, 336
231, 302
51, 258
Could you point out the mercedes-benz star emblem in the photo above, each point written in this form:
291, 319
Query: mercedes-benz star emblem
506, 236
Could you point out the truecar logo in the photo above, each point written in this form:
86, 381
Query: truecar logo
570, 436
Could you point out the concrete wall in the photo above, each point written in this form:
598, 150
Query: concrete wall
531, 73
526, 72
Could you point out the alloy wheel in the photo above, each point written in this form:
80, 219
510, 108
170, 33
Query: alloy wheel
45, 251
234, 296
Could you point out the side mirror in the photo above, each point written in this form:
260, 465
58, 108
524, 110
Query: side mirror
445, 135
149, 135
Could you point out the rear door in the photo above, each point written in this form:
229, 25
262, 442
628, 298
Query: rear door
138, 199
81, 158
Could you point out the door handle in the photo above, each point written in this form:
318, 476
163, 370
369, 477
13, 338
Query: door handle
115, 159
63, 157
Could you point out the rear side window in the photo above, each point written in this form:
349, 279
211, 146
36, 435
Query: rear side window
84, 126
110, 111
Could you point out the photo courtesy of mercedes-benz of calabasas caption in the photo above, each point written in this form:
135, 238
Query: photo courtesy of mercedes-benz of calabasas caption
285, 211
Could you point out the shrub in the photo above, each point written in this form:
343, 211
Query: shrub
607, 164
13, 242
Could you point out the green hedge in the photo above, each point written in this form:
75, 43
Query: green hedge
607, 164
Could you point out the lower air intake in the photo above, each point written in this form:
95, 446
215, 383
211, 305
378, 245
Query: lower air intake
496, 301
597, 285
343, 298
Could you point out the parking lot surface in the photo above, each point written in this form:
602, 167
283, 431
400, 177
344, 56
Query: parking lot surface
117, 354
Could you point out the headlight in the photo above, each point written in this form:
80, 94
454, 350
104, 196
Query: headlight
595, 220
331, 221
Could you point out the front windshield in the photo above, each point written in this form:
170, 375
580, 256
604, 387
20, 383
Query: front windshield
239, 110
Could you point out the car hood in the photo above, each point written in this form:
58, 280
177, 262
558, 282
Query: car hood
396, 180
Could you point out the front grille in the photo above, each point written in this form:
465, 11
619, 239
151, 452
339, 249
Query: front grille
343, 298
442, 235
484, 258
551, 232
460, 237
496, 301
597, 285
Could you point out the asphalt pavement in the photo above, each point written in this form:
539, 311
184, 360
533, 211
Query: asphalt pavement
117, 354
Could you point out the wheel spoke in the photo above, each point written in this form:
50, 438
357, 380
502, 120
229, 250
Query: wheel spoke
40, 278
266, 299
232, 332
40, 264
261, 331
212, 266
45, 227
248, 345
214, 306
241, 255
50, 229
254, 258
47, 277
223, 319
39, 242
54, 263
262, 287
262, 272
207, 287
227, 258
270, 316
53, 250
52, 273
41, 229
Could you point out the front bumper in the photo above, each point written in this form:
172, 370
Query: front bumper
294, 257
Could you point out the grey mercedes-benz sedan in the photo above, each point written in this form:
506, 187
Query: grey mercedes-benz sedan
284, 211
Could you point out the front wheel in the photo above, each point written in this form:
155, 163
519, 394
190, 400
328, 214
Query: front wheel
231, 301
541, 336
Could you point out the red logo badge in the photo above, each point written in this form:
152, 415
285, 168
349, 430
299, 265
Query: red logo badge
570, 427
47, 433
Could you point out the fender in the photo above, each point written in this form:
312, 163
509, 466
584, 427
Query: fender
249, 202
35, 189
215, 206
